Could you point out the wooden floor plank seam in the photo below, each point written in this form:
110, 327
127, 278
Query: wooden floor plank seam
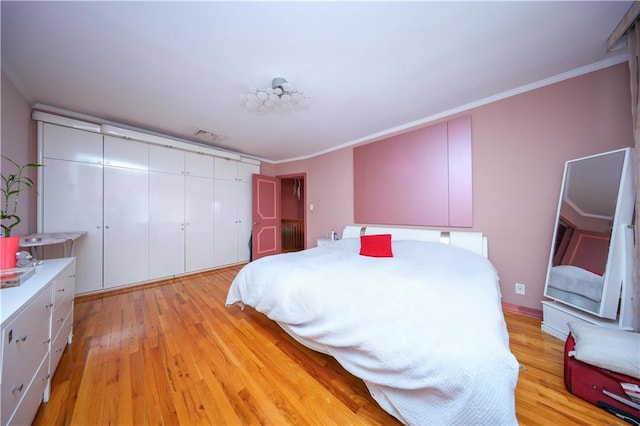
173, 353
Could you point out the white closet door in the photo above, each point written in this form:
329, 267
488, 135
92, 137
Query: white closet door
245, 223
126, 226
72, 201
125, 153
166, 225
226, 169
246, 170
226, 220
163, 159
65, 143
199, 216
199, 165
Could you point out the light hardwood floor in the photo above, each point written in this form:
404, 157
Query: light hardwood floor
172, 353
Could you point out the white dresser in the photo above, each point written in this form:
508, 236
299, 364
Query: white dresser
37, 322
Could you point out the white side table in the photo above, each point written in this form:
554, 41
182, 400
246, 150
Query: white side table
65, 238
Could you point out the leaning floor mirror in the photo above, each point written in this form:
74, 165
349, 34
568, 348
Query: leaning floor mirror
591, 261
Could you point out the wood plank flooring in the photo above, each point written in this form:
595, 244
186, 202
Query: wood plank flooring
172, 353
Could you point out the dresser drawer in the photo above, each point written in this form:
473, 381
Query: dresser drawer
63, 288
60, 342
28, 407
59, 316
25, 344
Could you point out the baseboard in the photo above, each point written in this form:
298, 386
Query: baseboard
99, 294
530, 312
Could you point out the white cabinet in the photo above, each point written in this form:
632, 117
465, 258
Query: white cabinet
25, 349
166, 212
237, 171
126, 212
82, 170
200, 198
201, 165
63, 288
233, 211
166, 160
30, 325
126, 226
65, 143
226, 220
166, 224
150, 211
200, 225
245, 224
226, 169
71, 200
181, 212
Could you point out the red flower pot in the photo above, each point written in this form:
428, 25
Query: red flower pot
8, 249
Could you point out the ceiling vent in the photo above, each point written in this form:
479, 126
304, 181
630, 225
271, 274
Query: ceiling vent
208, 138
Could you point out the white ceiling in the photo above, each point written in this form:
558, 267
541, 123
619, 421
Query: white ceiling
370, 68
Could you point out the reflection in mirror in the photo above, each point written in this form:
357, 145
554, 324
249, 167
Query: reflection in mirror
580, 256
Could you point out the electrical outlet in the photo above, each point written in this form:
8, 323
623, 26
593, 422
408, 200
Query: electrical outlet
520, 289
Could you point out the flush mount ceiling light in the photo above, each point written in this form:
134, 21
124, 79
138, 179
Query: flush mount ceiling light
281, 96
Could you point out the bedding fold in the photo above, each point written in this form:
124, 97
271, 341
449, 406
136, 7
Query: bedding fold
424, 329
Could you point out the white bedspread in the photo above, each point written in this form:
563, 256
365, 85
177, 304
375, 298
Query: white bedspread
423, 329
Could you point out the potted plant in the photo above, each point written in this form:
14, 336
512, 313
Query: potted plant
12, 185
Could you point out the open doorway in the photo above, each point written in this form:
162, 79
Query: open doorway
293, 212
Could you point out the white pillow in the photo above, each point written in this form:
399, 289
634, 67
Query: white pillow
608, 348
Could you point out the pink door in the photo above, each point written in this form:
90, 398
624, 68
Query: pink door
265, 235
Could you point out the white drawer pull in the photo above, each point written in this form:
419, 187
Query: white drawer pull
61, 290
46, 341
21, 339
17, 388
49, 305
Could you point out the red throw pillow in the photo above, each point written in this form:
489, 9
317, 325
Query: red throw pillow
376, 245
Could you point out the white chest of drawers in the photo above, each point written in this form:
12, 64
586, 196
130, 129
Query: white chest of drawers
37, 319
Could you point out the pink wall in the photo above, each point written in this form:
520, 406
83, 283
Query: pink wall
438, 157
18, 142
329, 184
520, 145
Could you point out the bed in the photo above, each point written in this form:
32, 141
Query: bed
423, 329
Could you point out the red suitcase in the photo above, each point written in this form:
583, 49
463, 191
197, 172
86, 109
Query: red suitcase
601, 387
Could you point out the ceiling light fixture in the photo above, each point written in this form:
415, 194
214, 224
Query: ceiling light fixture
281, 96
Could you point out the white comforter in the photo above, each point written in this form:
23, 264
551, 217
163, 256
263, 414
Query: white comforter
423, 329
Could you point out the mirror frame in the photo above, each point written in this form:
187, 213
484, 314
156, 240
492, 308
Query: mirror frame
619, 264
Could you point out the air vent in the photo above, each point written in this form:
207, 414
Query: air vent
205, 134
